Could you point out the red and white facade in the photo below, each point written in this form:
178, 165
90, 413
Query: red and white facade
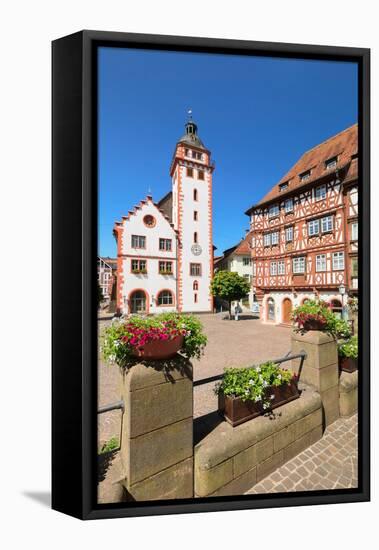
305, 231
165, 249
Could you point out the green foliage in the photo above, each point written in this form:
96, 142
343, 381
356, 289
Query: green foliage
318, 310
110, 445
353, 304
229, 286
349, 348
253, 384
118, 338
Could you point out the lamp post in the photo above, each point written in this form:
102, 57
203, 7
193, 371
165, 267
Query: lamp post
342, 291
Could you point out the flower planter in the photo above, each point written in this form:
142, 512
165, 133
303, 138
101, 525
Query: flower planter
347, 364
159, 349
313, 325
236, 411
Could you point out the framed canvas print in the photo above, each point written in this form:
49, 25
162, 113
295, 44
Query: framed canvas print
211, 344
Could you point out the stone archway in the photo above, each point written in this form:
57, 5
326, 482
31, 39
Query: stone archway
270, 309
138, 302
286, 311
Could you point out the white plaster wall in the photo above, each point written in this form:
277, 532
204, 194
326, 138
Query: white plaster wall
188, 226
153, 281
278, 297
236, 264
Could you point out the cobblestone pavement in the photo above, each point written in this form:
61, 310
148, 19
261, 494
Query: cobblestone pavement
331, 463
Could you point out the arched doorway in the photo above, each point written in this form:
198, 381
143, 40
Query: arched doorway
270, 309
286, 311
138, 302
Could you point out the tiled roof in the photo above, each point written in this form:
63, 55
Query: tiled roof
241, 249
343, 145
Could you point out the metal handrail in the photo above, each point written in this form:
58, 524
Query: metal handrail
112, 407
301, 355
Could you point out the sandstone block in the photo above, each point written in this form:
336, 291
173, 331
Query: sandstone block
174, 482
207, 481
150, 453
269, 465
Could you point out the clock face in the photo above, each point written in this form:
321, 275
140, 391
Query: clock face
196, 249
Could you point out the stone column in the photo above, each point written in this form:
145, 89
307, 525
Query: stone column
320, 368
157, 434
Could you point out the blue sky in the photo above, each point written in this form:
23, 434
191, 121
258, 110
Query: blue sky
257, 115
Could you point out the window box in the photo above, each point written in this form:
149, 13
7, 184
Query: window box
347, 364
235, 411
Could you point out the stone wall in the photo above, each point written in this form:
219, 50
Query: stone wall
320, 368
157, 433
229, 461
348, 393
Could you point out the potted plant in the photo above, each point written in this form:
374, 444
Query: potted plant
348, 355
245, 393
153, 338
313, 315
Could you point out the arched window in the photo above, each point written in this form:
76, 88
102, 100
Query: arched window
195, 194
195, 285
165, 298
195, 237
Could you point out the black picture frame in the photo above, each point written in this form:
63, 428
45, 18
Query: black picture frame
74, 333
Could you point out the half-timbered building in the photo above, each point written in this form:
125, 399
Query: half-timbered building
305, 231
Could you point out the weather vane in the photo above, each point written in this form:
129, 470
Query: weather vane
189, 114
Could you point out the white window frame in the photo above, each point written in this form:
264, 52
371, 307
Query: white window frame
305, 175
331, 163
354, 231
289, 230
338, 261
298, 265
275, 238
273, 268
281, 267
246, 261
313, 228
273, 211
138, 238
327, 224
288, 206
267, 239
320, 193
320, 262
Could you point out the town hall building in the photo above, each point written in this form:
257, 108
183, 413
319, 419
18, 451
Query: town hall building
165, 248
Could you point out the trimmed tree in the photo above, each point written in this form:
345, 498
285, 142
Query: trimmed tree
229, 286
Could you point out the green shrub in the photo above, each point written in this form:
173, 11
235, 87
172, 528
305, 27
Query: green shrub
349, 348
253, 384
121, 338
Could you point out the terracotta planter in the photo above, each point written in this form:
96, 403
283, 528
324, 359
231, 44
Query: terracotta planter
236, 411
159, 349
313, 325
347, 364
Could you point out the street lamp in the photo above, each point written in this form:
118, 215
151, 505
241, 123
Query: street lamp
342, 291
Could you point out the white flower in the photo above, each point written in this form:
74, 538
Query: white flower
265, 405
272, 396
258, 369
251, 382
246, 392
265, 383
258, 398
279, 376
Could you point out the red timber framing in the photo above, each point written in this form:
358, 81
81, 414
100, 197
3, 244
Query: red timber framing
321, 212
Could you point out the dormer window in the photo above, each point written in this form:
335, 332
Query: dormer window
283, 186
331, 163
305, 175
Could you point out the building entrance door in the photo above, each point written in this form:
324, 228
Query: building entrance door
138, 302
287, 310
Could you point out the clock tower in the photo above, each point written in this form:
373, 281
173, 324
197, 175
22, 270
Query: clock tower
191, 173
